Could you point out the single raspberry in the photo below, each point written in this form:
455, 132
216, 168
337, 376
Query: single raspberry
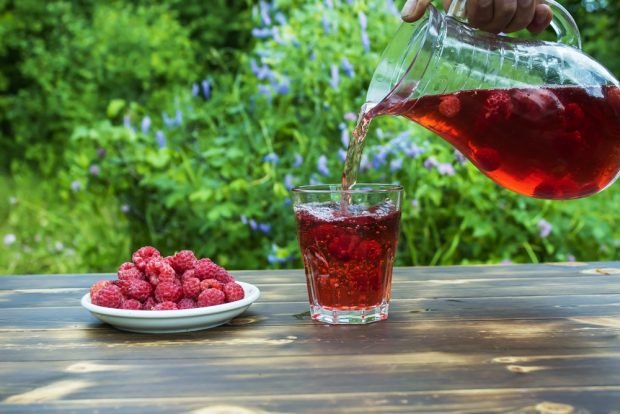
139, 289
498, 106
192, 287
211, 284
449, 106
123, 285
206, 269
613, 97
233, 292
487, 159
183, 261
546, 189
158, 271
168, 292
210, 297
131, 304
143, 255
165, 306
188, 273
97, 286
343, 246
186, 303
535, 104
573, 116
126, 266
109, 296
149, 303
368, 250
130, 273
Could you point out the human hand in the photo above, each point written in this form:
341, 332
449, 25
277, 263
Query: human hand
493, 16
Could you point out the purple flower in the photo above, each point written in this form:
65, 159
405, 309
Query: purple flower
9, 239
280, 19
414, 151
392, 7
334, 80
169, 122
321, 165
396, 164
460, 158
329, 4
125, 208
276, 36
261, 33
571, 258
76, 186
363, 20
342, 154
445, 169
261, 72
381, 157
253, 224
327, 25
244, 219
178, 117
127, 122
415, 204
272, 157
264, 13
195, 89
289, 181
94, 170
347, 67
264, 227
206, 88
284, 86
350, 116
101, 152
265, 90
365, 41
345, 138
365, 163
298, 162
146, 124
506, 262
544, 228
430, 163
160, 138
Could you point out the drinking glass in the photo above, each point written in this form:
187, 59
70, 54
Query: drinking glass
348, 242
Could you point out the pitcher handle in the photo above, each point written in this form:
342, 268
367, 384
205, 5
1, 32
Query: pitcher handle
562, 24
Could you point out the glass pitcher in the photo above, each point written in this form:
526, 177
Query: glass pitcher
539, 118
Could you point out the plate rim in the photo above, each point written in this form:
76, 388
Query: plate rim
252, 293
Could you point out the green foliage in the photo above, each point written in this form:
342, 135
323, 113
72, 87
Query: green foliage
136, 151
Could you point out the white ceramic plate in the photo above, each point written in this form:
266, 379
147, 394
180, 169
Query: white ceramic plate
169, 321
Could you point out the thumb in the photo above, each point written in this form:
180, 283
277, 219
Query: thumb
414, 9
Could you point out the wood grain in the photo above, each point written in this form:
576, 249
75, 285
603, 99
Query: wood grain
467, 339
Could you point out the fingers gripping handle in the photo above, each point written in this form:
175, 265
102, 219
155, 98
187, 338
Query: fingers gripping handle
563, 23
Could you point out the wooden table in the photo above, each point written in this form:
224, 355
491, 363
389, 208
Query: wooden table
518, 339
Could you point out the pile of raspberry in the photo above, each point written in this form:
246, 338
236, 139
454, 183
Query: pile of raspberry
153, 282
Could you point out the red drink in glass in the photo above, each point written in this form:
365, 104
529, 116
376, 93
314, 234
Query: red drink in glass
348, 248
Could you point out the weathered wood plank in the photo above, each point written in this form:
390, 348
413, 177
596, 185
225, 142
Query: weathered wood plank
508, 337
402, 311
458, 289
401, 274
406, 372
601, 399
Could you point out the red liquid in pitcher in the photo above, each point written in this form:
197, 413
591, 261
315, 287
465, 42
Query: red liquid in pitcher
555, 143
348, 256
